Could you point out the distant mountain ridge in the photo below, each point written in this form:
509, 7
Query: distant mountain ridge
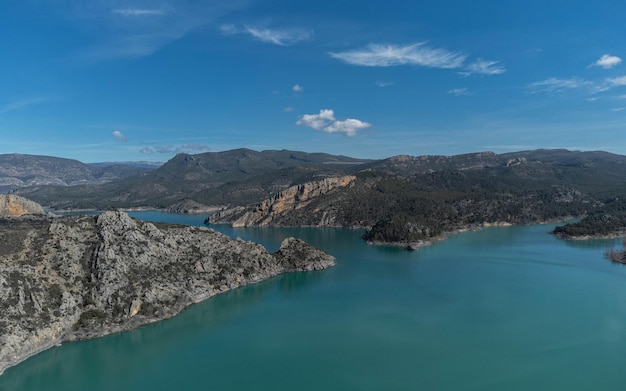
399, 199
139, 164
417, 199
18, 170
239, 176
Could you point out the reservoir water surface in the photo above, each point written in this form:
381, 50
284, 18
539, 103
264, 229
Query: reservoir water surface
504, 308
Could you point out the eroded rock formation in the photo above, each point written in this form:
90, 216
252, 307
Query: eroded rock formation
15, 206
269, 211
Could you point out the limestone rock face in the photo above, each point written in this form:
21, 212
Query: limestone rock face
271, 210
191, 207
76, 277
15, 206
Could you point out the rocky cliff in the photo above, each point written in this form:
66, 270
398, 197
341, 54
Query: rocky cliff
75, 277
272, 210
191, 207
15, 206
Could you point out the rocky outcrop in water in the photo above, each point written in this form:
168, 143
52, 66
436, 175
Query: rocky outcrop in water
76, 277
270, 211
15, 206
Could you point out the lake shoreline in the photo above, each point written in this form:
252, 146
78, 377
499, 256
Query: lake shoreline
162, 269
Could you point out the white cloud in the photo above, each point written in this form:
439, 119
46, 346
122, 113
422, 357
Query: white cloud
350, 127
288, 109
119, 136
621, 97
317, 121
607, 61
377, 55
459, 92
325, 121
138, 12
618, 109
592, 99
554, 85
277, 37
297, 88
484, 67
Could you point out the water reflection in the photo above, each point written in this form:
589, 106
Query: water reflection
151, 343
594, 243
500, 309
294, 282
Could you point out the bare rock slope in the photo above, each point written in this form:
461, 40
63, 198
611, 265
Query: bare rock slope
76, 277
273, 211
15, 206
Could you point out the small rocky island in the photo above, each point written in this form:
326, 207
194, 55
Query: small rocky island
76, 277
617, 256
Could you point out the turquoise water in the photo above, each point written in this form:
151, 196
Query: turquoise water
505, 308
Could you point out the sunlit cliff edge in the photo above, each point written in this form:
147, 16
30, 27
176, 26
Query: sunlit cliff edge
15, 206
271, 210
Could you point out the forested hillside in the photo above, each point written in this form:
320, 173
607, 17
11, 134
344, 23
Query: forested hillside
399, 199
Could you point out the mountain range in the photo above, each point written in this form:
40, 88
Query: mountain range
238, 176
17, 170
401, 199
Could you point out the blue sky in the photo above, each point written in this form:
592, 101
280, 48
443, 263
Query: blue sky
107, 80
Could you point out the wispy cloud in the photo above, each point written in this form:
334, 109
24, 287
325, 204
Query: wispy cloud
556, 85
383, 84
284, 37
419, 54
484, 67
138, 12
617, 81
119, 136
460, 92
20, 104
174, 149
607, 61
297, 88
132, 46
121, 31
325, 121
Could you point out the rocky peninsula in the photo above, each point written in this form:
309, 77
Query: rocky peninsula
76, 277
